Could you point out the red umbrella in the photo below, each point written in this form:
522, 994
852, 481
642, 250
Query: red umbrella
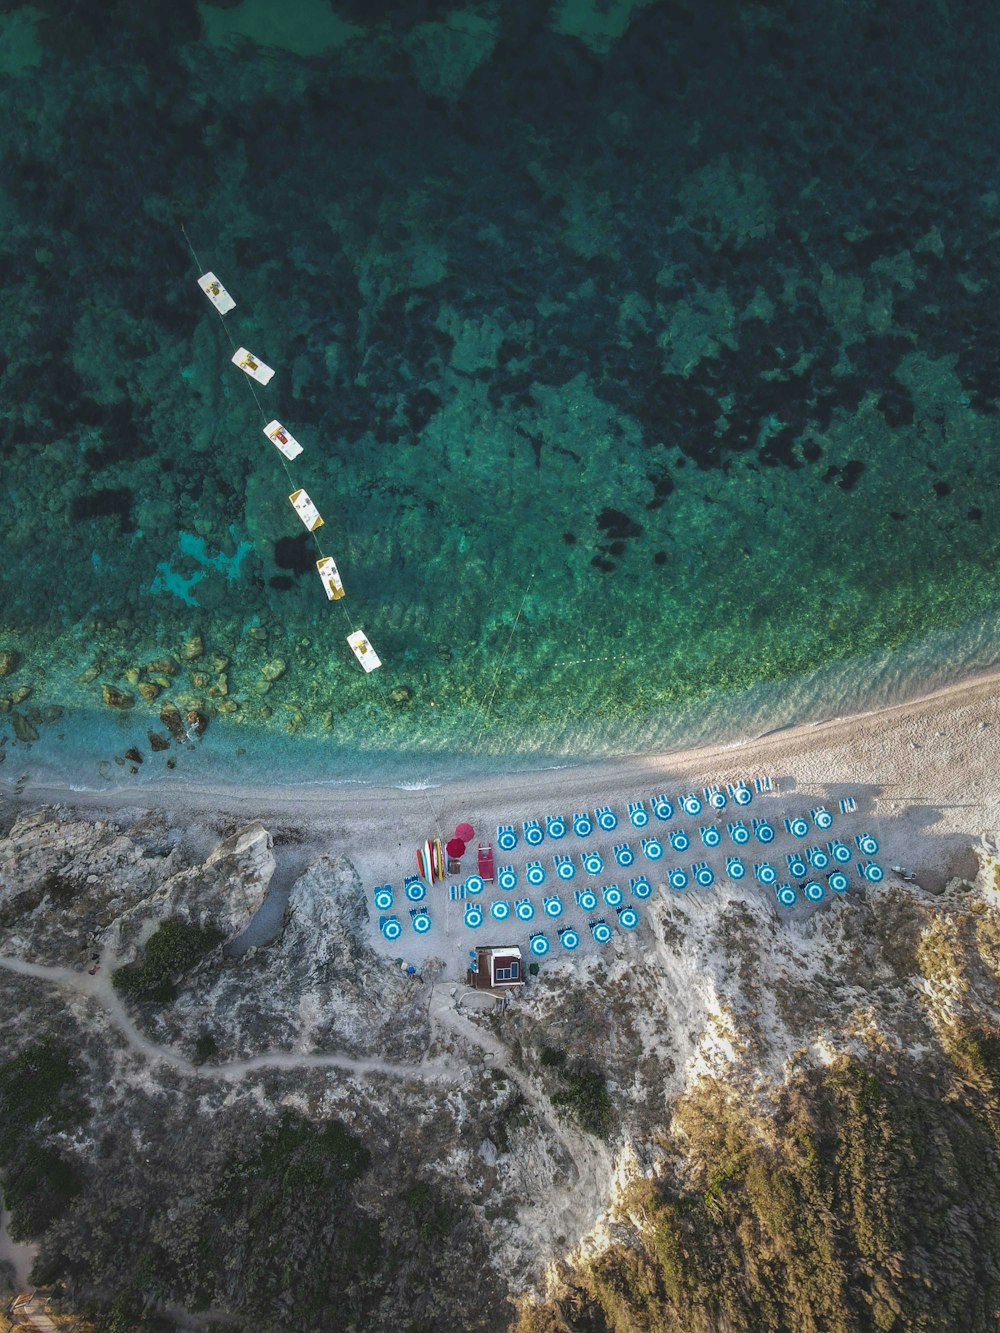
465, 831
455, 847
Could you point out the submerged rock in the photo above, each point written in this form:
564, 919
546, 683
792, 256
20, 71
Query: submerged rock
149, 690
162, 666
9, 660
21, 695
157, 742
193, 647
274, 669
23, 729
197, 721
170, 716
133, 755
115, 698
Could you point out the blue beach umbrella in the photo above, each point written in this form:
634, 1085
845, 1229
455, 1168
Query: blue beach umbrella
786, 895
506, 837
739, 833
582, 824
601, 931
593, 862
677, 879
822, 818
473, 915
663, 807
421, 922
507, 877
500, 909
390, 927
715, 797
628, 918
641, 886
766, 873
533, 834
383, 897
839, 851
763, 831
710, 835
624, 854
474, 884
552, 906
612, 895
691, 804
524, 910
415, 890
735, 868
741, 793
568, 937
679, 841
703, 875
872, 872
653, 849
606, 818
838, 881
867, 845
638, 814
818, 859
534, 873
797, 868
555, 826
539, 944
565, 868
798, 827
586, 899
813, 891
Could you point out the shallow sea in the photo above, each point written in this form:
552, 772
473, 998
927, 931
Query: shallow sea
644, 357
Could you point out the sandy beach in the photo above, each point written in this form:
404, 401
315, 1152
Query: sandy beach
924, 775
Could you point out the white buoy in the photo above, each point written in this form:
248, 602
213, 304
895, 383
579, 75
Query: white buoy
363, 650
330, 575
216, 293
282, 441
306, 510
254, 368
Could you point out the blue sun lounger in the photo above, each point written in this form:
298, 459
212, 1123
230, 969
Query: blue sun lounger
710, 835
848, 805
538, 943
797, 867
735, 868
555, 826
624, 854
704, 876
583, 825
506, 837
565, 869
640, 886
628, 917
524, 909
586, 899
638, 814
761, 785
456, 893
606, 818
662, 806
600, 930
534, 873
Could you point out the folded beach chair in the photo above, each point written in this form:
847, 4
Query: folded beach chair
506, 837
848, 805
624, 854
612, 895
715, 797
765, 873
679, 841
735, 868
583, 825
538, 943
704, 876
555, 826
691, 804
586, 899
638, 814
606, 818
628, 917
534, 873
484, 859
565, 869
507, 877
710, 835
763, 830
662, 806
640, 886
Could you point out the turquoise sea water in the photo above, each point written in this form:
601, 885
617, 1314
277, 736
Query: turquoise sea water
644, 356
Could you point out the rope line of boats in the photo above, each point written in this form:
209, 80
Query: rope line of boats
289, 449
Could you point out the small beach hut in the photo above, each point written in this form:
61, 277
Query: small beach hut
497, 968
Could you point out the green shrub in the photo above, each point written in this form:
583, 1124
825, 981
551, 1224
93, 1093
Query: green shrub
585, 1096
173, 948
205, 1048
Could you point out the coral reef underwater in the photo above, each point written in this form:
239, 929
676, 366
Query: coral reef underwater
643, 355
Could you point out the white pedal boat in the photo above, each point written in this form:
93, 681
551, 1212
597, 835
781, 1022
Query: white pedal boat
330, 575
282, 441
363, 650
216, 293
306, 510
254, 368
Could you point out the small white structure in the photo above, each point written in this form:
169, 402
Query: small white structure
330, 575
216, 293
282, 441
363, 650
306, 510
254, 368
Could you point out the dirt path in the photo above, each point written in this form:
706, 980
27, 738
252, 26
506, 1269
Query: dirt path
99, 989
